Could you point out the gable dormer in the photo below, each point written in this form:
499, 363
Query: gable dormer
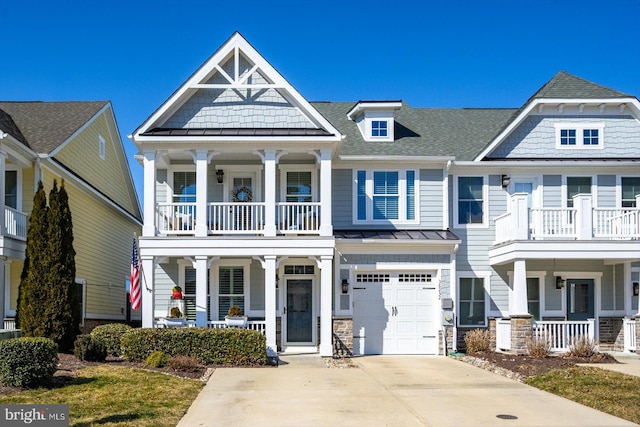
375, 119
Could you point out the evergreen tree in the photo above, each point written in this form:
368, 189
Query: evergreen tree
32, 293
62, 312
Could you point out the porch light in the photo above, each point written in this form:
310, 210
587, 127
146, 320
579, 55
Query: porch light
505, 179
559, 282
277, 280
636, 289
220, 175
345, 286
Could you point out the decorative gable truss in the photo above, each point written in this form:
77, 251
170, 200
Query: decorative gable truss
237, 93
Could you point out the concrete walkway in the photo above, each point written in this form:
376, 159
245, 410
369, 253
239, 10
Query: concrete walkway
629, 364
383, 391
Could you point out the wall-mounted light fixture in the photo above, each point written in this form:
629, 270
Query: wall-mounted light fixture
505, 180
559, 282
277, 281
345, 286
220, 175
636, 289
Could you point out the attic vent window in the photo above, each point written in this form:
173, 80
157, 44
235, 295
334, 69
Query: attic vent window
101, 147
379, 128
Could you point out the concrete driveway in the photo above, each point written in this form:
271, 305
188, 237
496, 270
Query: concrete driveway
382, 391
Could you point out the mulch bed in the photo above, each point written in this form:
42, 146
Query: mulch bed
526, 366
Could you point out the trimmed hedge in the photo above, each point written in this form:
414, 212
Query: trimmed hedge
88, 348
110, 335
157, 359
229, 346
28, 362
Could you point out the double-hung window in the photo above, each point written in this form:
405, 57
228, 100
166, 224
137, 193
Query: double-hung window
577, 185
630, 189
385, 196
230, 290
471, 201
472, 305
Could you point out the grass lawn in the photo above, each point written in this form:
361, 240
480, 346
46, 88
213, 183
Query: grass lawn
611, 392
110, 396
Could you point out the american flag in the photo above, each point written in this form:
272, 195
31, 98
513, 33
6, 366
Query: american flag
135, 295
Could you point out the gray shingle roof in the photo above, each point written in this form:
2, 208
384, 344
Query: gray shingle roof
565, 85
43, 126
458, 132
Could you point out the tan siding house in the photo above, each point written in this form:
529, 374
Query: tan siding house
77, 142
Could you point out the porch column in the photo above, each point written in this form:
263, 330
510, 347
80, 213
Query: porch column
148, 296
326, 229
3, 168
518, 303
201, 291
270, 304
584, 216
520, 216
201, 194
149, 164
326, 320
270, 193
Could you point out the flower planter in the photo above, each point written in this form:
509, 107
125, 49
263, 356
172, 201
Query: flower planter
175, 322
176, 295
236, 321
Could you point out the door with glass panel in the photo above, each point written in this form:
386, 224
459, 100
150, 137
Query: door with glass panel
298, 213
580, 299
243, 214
299, 311
526, 186
184, 201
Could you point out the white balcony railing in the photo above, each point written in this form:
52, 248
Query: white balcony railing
236, 218
562, 334
629, 330
15, 223
176, 218
503, 334
298, 218
553, 222
254, 325
616, 223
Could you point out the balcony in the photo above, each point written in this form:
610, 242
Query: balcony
15, 224
239, 218
582, 222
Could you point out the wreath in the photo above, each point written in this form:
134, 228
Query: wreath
242, 194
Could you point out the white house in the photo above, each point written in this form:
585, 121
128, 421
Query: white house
376, 228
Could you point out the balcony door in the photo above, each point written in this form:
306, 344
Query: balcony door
242, 193
580, 299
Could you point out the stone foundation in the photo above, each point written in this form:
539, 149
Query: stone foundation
611, 334
521, 333
449, 340
342, 337
492, 332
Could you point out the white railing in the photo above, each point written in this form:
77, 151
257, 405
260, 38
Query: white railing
236, 218
298, 218
504, 228
15, 223
176, 218
616, 223
254, 325
629, 331
562, 334
503, 334
9, 323
553, 222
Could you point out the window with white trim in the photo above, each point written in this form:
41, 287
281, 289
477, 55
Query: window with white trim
630, 189
470, 203
379, 128
577, 185
389, 196
471, 305
230, 290
102, 149
11, 189
579, 135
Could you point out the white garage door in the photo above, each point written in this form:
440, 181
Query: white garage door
395, 313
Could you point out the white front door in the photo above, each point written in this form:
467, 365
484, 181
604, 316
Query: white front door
395, 313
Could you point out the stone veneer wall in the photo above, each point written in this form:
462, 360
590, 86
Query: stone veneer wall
492, 333
611, 334
449, 338
342, 337
521, 332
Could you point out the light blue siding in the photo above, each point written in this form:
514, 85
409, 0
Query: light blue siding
162, 186
256, 286
606, 191
341, 198
552, 191
408, 259
165, 278
431, 198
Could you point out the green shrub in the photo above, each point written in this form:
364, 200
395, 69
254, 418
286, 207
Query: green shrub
230, 346
88, 348
110, 335
157, 359
477, 341
184, 363
28, 362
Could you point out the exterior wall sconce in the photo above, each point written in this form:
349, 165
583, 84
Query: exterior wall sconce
277, 281
636, 289
345, 286
220, 175
559, 282
505, 179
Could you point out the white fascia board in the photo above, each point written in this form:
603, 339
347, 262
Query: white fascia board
414, 159
49, 164
234, 140
17, 151
544, 166
106, 106
373, 105
633, 104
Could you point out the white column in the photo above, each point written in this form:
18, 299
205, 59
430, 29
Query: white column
270, 192
326, 319
326, 228
3, 168
518, 303
149, 205
202, 273
627, 291
201, 193
583, 204
270, 304
146, 284
520, 216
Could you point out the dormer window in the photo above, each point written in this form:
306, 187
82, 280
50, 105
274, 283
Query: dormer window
379, 128
375, 119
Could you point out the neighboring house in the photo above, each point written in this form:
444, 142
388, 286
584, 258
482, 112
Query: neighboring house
77, 142
374, 227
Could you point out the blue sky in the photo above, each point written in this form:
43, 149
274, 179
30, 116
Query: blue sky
486, 53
